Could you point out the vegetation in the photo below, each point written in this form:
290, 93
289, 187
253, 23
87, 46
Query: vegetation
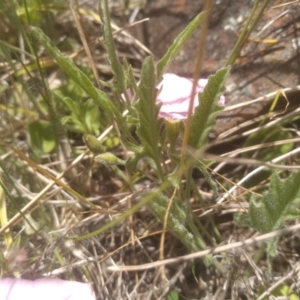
97, 187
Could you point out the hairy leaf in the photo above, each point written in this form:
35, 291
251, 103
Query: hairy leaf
178, 223
177, 44
66, 63
278, 204
203, 118
109, 42
149, 126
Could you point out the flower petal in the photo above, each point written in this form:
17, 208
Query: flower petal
44, 288
175, 93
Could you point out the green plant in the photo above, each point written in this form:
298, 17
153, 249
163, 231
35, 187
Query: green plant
277, 205
142, 144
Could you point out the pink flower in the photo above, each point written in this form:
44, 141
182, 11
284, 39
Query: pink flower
45, 288
175, 96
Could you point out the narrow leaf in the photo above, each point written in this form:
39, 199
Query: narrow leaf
3, 217
148, 130
66, 63
177, 223
204, 117
177, 44
109, 42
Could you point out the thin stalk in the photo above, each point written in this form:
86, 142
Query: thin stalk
197, 72
115, 64
247, 29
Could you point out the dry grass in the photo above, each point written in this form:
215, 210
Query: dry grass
54, 199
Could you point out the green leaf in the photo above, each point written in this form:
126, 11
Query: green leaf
204, 117
41, 136
73, 124
173, 295
109, 42
149, 126
176, 220
130, 80
132, 161
66, 63
91, 116
278, 292
268, 135
71, 104
277, 205
177, 44
178, 223
285, 290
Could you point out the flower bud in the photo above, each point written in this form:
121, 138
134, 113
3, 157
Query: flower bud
108, 158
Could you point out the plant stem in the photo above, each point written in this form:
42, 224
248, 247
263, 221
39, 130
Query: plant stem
247, 29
